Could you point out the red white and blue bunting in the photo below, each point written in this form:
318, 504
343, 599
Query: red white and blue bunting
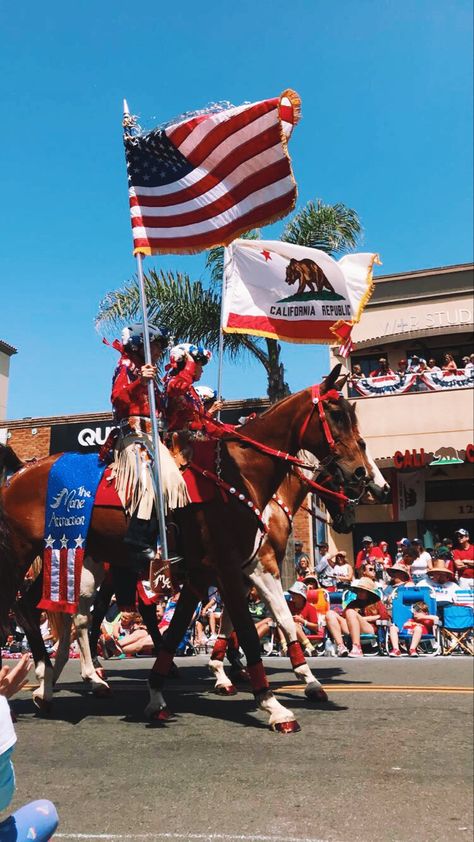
394, 384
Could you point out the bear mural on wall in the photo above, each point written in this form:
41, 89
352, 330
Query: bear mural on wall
308, 275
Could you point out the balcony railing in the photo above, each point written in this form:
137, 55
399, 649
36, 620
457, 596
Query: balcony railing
401, 384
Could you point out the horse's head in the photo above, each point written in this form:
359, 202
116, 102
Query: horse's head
292, 273
332, 434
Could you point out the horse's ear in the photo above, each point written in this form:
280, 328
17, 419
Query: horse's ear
329, 382
342, 382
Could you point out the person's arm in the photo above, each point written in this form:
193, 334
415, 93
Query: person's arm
12, 680
180, 383
125, 391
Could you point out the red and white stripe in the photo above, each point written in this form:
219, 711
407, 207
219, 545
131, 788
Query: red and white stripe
61, 579
242, 179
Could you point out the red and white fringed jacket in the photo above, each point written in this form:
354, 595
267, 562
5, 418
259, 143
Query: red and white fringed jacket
129, 395
184, 408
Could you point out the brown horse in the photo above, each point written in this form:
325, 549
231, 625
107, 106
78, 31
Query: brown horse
218, 538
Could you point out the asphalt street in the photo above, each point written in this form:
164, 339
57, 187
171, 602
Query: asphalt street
390, 758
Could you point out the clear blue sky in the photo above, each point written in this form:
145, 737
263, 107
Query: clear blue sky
386, 88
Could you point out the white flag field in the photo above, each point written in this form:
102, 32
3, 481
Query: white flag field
294, 293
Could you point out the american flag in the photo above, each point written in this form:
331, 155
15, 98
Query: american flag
203, 181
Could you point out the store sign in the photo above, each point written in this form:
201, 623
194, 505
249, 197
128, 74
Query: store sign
434, 318
79, 438
409, 459
443, 456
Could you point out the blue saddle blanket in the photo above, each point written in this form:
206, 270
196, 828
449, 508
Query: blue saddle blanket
72, 485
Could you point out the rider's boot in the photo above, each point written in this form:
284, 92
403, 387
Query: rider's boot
141, 540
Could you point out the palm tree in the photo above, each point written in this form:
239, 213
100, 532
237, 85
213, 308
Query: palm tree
192, 310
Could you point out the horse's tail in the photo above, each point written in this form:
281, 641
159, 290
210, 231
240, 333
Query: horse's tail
8, 575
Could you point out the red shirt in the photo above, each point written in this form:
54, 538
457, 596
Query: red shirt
308, 612
364, 555
129, 395
184, 408
465, 555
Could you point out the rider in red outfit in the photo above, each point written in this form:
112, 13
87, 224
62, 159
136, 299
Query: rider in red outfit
134, 452
184, 407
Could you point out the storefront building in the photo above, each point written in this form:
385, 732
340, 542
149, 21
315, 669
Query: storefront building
417, 423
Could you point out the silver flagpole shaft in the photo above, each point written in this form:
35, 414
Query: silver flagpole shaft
160, 507
221, 334
129, 126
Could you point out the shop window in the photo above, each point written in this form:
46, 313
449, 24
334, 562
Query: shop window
441, 491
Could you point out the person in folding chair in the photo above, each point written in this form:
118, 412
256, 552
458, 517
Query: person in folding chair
415, 621
421, 623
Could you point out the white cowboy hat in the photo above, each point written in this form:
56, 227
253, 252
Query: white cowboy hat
300, 589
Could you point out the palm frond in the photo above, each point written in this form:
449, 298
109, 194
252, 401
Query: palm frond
215, 258
331, 228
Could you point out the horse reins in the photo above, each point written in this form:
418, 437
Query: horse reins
317, 402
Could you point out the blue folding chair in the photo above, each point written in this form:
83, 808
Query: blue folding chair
457, 632
371, 644
402, 612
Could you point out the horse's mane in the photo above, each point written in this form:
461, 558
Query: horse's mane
254, 424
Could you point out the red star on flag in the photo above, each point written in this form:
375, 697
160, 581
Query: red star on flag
266, 255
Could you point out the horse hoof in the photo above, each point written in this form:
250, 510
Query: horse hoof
162, 715
102, 691
315, 693
43, 706
286, 727
240, 675
225, 690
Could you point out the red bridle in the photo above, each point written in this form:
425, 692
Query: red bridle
317, 400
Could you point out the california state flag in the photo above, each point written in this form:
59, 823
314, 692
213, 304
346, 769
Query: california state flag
294, 293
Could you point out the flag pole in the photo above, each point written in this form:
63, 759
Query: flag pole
221, 333
128, 123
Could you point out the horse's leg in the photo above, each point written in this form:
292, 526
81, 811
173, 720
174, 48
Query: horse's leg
62, 649
271, 591
234, 596
157, 708
28, 617
101, 604
223, 685
148, 612
91, 576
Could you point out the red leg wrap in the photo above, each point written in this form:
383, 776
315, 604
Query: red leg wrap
163, 662
258, 679
296, 654
220, 647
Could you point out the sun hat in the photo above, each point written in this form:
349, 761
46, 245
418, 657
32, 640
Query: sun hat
300, 589
367, 538
367, 585
398, 570
439, 566
310, 577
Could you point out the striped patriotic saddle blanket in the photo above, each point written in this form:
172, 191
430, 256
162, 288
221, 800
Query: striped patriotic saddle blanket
72, 485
